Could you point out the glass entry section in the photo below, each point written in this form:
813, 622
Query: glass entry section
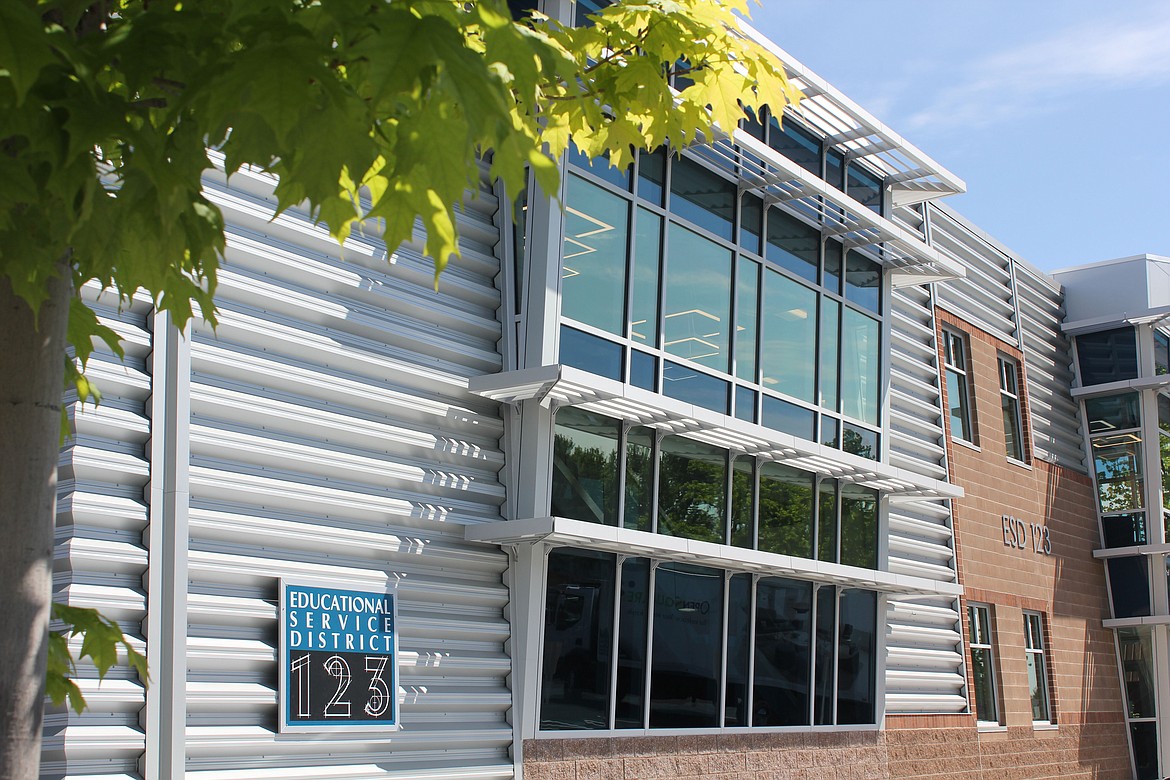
578, 640
688, 627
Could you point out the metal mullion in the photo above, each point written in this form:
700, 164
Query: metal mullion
649, 669
722, 698
613, 656
623, 448
838, 593
656, 458
812, 654
751, 675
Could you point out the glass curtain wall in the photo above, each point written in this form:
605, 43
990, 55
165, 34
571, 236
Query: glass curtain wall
677, 486
707, 657
674, 282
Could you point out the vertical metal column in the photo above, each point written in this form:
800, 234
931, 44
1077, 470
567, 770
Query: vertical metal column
165, 714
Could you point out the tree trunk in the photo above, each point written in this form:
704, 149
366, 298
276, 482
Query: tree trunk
31, 377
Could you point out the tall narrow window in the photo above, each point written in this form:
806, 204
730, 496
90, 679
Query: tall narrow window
983, 664
1009, 401
958, 395
1037, 666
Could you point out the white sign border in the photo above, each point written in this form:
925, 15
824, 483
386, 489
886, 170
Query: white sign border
363, 728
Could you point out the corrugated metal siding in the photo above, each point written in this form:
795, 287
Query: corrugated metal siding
924, 662
1056, 430
985, 297
100, 557
332, 435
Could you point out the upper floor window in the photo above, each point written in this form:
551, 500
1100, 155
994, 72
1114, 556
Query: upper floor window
1009, 400
673, 282
604, 472
1107, 356
958, 392
983, 663
1035, 654
1161, 353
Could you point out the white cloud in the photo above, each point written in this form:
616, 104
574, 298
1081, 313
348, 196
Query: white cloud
1075, 63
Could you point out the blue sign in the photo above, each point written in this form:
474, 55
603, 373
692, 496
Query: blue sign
338, 659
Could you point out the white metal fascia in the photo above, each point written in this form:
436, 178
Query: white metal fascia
560, 385
858, 133
576, 533
1144, 317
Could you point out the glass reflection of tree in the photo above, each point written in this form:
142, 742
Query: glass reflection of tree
1119, 472
584, 482
853, 442
691, 498
786, 507
859, 529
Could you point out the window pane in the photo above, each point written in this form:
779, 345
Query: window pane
792, 244
1137, 670
702, 196
860, 361
827, 521
1118, 463
697, 299
829, 347
783, 638
742, 486
1013, 442
643, 370
590, 353
861, 442
593, 276
789, 418
644, 279
795, 143
577, 626
747, 292
691, 497
830, 432
786, 510
1124, 530
631, 675
831, 279
789, 331
688, 641
957, 400
639, 478
863, 281
1129, 586
859, 524
982, 672
865, 188
1161, 353
745, 404
652, 175
751, 217
599, 166
826, 657
856, 647
1038, 685
739, 617
1145, 749
1109, 356
584, 484
1113, 413
694, 387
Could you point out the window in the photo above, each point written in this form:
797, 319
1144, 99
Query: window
958, 394
1034, 650
713, 649
611, 474
1108, 356
1009, 401
983, 663
674, 283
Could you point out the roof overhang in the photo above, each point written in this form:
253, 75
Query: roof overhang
559, 385
914, 176
562, 532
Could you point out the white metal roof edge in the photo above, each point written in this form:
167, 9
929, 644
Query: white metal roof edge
581, 388
862, 118
593, 536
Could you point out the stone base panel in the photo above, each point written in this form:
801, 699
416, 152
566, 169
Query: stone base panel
1092, 750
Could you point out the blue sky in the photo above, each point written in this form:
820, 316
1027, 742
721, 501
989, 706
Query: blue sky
1055, 112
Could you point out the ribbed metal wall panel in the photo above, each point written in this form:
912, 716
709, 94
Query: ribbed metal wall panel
924, 661
331, 435
99, 556
1056, 429
985, 297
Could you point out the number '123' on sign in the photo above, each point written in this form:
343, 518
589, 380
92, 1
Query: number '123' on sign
338, 658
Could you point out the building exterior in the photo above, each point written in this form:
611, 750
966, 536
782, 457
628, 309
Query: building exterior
755, 460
